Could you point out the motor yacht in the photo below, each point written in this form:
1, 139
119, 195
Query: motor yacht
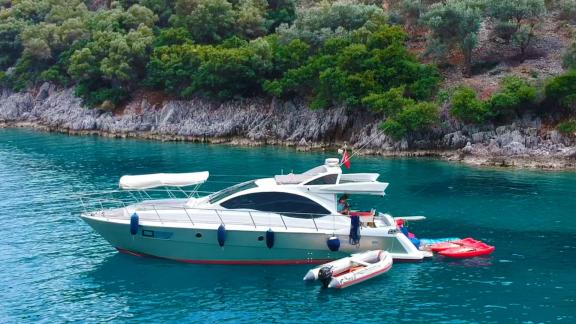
284, 219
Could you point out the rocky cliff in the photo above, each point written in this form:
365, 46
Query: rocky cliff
525, 143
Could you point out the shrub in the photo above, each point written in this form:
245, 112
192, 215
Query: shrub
569, 61
393, 128
413, 118
561, 91
411, 10
567, 127
467, 107
454, 24
97, 95
419, 116
515, 94
390, 102
505, 30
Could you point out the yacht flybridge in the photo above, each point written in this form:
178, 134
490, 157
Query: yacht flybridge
286, 219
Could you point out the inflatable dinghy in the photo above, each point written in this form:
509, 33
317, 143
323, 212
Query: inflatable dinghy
351, 270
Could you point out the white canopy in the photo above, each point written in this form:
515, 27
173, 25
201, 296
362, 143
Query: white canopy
147, 181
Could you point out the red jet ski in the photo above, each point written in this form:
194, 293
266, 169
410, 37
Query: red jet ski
452, 244
466, 248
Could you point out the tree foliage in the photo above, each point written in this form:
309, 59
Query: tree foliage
348, 69
209, 21
467, 108
317, 24
515, 96
219, 71
454, 24
518, 18
413, 118
328, 52
561, 91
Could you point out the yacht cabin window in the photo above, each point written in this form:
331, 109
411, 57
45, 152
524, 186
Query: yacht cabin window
278, 202
222, 194
325, 180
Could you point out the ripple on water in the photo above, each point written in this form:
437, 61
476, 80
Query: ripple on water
60, 270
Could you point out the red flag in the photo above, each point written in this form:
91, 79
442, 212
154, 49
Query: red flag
346, 159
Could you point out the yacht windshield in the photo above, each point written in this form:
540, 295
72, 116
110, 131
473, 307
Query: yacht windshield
217, 196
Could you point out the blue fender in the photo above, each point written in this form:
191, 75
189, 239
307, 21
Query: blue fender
221, 235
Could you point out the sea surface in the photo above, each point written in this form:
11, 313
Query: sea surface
54, 268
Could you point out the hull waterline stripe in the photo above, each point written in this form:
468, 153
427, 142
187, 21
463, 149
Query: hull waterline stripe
232, 262
245, 262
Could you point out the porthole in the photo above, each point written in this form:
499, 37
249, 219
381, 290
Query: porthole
198, 235
260, 238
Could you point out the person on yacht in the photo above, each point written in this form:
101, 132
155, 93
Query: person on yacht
343, 206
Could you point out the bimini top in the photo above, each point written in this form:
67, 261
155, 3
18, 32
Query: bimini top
148, 181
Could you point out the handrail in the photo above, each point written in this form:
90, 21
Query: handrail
193, 215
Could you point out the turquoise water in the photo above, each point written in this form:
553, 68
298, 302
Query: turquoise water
55, 268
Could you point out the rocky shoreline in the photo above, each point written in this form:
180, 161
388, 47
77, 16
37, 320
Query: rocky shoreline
526, 143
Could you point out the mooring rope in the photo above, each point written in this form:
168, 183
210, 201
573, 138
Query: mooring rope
356, 151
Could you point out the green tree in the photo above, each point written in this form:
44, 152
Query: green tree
173, 36
348, 69
10, 41
454, 24
251, 18
317, 24
561, 91
111, 64
415, 117
521, 16
209, 21
515, 95
216, 71
162, 8
467, 108
390, 102
280, 12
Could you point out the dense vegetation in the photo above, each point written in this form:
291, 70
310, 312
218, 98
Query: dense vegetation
350, 53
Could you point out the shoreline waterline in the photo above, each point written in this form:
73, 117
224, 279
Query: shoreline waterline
552, 163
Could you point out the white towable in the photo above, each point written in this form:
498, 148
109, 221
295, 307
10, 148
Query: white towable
351, 270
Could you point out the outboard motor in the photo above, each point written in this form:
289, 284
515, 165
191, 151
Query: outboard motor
325, 276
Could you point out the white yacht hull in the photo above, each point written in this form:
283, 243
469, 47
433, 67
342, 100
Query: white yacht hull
243, 245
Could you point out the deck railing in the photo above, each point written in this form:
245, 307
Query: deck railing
151, 205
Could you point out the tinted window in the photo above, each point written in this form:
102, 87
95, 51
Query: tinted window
327, 179
217, 196
278, 202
